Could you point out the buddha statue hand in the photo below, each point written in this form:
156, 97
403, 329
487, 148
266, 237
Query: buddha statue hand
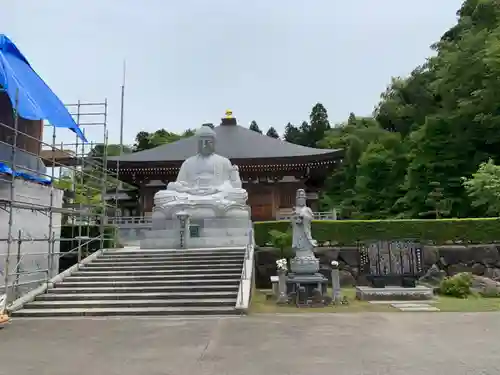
179, 186
203, 191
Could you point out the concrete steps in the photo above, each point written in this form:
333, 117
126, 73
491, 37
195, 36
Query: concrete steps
143, 289
142, 283
139, 311
146, 283
133, 296
155, 267
128, 273
89, 304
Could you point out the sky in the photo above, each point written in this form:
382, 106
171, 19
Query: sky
188, 61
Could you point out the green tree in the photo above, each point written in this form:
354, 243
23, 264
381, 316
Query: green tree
255, 127
271, 132
465, 130
283, 242
319, 125
440, 206
161, 137
351, 185
379, 176
292, 134
407, 102
146, 141
142, 141
483, 187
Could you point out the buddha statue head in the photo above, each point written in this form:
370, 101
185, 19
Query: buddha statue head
300, 198
206, 140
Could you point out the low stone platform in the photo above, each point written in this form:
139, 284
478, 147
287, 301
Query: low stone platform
394, 293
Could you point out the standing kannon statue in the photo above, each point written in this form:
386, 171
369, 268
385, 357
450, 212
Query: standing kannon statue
303, 244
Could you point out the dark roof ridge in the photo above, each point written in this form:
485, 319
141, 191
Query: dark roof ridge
233, 142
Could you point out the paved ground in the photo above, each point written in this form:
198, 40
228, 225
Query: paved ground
397, 343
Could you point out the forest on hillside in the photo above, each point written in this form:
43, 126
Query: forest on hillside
429, 148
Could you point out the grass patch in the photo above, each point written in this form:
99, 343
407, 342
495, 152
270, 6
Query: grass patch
473, 303
261, 305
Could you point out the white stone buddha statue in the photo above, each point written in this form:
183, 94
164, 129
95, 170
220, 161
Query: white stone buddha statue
207, 185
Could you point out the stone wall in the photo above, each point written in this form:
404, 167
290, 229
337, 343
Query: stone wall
482, 259
33, 256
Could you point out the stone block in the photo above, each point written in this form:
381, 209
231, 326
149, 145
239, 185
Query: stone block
455, 254
430, 255
365, 293
458, 268
350, 255
485, 253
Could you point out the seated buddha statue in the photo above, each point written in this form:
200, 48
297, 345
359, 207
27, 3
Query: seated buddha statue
207, 185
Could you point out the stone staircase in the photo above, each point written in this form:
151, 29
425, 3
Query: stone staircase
146, 283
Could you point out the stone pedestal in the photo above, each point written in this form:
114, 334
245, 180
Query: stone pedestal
309, 281
209, 233
206, 207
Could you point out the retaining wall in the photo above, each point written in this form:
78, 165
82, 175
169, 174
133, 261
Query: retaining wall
481, 259
33, 256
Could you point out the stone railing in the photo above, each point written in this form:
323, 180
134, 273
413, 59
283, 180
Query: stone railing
131, 228
142, 221
328, 215
131, 221
244, 296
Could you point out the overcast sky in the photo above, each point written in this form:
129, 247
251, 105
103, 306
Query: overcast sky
189, 60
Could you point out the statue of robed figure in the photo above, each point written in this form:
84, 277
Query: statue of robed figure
302, 242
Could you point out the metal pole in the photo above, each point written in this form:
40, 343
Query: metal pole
50, 259
80, 207
12, 194
74, 176
104, 177
89, 191
122, 107
18, 262
119, 185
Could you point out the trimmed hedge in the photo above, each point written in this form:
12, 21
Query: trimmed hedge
71, 231
348, 232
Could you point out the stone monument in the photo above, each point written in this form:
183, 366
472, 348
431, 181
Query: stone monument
205, 207
304, 278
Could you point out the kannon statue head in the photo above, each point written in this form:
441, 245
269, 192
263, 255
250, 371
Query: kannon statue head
300, 198
206, 140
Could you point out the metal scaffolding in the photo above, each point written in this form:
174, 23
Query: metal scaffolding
64, 205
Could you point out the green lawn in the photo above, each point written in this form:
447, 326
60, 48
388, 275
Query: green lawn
261, 305
473, 303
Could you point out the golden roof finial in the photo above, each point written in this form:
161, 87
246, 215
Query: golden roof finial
229, 113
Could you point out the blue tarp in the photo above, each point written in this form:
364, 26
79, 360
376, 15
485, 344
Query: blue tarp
44, 180
36, 101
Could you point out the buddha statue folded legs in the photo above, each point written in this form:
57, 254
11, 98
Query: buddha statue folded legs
207, 186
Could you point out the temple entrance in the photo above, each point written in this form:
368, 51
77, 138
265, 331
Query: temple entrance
262, 212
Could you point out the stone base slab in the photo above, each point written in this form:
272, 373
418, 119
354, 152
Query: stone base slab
394, 293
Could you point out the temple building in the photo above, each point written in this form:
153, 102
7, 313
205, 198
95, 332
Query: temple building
271, 169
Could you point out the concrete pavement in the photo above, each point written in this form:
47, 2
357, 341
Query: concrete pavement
341, 344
